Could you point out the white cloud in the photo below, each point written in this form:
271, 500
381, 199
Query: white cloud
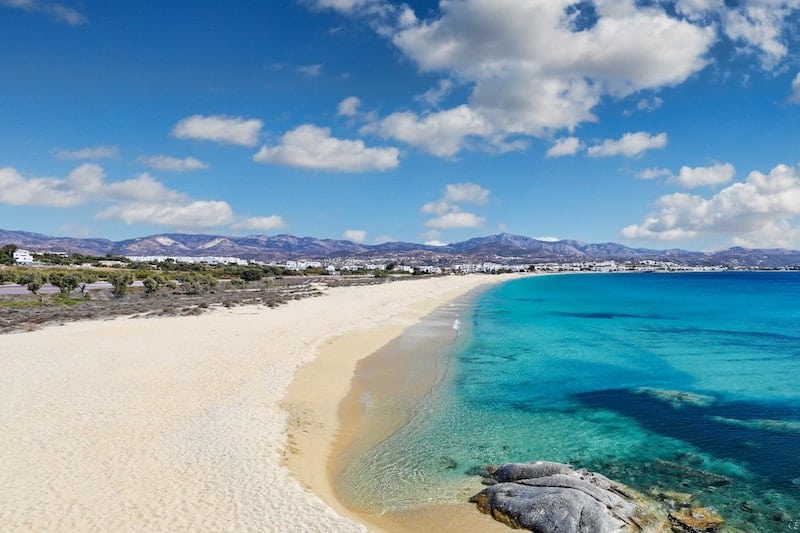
759, 26
649, 104
54, 10
95, 152
795, 96
443, 133
191, 216
461, 219
654, 173
698, 176
448, 208
355, 235
525, 84
345, 6
547, 239
629, 145
310, 70
435, 242
762, 211
259, 223
455, 194
434, 96
312, 147
349, 106
142, 199
219, 128
174, 164
564, 146
466, 193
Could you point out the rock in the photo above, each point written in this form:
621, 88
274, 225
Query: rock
554, 498
677, 398
673, 498
695, 520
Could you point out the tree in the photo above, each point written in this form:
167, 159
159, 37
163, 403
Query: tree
7, 254
251, 274
8, 275
150, 285
65, 281
120, 283
33, 281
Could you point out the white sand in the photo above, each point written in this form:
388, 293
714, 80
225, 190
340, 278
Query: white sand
175, 424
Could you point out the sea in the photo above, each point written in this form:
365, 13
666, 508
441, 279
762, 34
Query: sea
684, 382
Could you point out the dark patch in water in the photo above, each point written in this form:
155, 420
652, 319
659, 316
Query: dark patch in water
770, 454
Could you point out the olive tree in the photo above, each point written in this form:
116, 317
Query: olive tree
120, 283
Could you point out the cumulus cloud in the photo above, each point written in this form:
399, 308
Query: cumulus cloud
795, 96
761, 211
312, 147
349, 106
85, 184
268, 223
714, 175
449, 211
629, 145
355, 235
54, 10
654, 173
536, 67
220, 129
454, 195
456, 220
94, 152
192, 215
443, 133
523, 84
564, 146
142, 199
173, 164
756, 26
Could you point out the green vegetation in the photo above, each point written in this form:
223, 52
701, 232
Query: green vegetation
7, 254
120, 283
32, 280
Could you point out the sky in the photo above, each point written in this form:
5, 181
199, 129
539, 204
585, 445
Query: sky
658, 124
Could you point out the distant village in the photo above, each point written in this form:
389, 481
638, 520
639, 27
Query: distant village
340, 266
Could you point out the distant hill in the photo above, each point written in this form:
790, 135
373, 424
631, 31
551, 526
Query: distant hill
498, 248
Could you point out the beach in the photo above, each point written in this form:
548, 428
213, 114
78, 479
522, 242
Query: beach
180, 423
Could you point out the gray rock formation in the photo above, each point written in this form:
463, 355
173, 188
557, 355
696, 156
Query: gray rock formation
548, 497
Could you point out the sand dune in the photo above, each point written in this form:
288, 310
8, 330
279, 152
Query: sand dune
174, 423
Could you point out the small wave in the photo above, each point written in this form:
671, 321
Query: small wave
457, 324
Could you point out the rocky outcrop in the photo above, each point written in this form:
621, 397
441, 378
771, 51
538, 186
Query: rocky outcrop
548, 497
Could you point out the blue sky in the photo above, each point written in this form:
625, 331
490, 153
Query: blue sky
656, 124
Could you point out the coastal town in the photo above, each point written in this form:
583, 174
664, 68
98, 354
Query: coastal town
345, 265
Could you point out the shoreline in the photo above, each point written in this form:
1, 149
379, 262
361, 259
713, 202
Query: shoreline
325, 423
178, 423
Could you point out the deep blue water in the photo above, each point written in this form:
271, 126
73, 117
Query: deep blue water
687, 382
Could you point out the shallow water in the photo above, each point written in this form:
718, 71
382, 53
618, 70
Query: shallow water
685, 382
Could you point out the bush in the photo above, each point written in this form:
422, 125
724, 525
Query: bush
120, 282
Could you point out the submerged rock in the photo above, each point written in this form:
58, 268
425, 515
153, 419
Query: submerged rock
677, 398
548, 497
554, 498
695, 520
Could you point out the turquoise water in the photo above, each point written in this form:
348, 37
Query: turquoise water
687, 382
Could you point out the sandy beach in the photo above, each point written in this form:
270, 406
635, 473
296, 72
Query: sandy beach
180, 423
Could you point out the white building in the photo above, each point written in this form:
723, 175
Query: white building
23, 257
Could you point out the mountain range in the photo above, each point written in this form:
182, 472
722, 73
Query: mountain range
505, 248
